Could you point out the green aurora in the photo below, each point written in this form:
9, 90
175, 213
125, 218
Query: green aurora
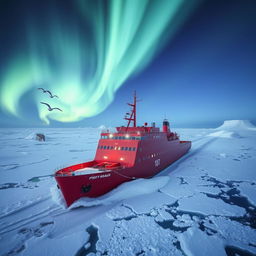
85, 60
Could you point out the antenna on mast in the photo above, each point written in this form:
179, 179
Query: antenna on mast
132, 116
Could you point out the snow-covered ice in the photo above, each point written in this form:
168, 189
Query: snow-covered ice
196, 242
203, 204
225, 134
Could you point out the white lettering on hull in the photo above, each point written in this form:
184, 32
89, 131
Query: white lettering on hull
100, 176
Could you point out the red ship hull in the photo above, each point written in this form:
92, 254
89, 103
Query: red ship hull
93, 184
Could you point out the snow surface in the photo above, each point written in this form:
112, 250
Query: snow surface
225, 134
203, 204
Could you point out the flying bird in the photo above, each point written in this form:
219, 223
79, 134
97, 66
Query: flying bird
49, 107
47, 91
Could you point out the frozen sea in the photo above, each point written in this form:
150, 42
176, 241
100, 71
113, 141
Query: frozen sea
203, 204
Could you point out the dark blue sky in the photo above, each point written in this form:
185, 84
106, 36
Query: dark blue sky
205, 75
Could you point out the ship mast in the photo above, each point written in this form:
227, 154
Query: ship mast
132, 116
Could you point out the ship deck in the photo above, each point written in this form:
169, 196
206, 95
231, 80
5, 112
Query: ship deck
93, 167
89, 170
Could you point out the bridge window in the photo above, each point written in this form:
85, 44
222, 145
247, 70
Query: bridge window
133, 149
126, 138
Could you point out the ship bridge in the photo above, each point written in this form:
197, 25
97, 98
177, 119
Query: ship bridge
118, 147
123, 145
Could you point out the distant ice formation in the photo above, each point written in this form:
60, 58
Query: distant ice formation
232, 129
236, 125
102, 127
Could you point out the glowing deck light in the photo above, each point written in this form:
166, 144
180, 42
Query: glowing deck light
105, 157
110, 135
121, 158
127, 136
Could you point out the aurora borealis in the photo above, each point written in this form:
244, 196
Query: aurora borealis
85, 56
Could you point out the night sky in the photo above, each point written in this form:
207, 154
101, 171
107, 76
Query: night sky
203, 74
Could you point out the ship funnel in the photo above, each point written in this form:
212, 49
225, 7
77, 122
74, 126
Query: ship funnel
166, 126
